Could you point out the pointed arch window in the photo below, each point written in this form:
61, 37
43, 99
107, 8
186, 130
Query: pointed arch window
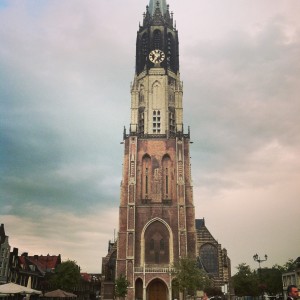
170, 51
209, 257
145, 45
157, 244
157, 39
143, 51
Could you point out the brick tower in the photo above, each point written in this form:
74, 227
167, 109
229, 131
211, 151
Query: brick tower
157, 216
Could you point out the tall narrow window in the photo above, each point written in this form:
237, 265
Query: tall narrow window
167, 182
146, 177
167, 177
209, 257
145, 46
141, 122
146, 181
157, 39
156, 121
172, 122
170, 52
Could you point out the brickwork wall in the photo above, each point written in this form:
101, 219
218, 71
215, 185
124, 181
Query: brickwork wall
145, 197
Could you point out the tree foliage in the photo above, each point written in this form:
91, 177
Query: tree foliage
249, 282
272, 280
245, 281
66, 276
121, 286
189, 277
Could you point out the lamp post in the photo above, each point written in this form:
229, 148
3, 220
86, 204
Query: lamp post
260, 260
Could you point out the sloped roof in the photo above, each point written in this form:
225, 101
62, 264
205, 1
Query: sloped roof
199, 223
42, 263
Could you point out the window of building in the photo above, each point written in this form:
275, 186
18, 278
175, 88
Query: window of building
166, 177
146, 172
157, 39
170, 51
209, 257
141, 122
157, 244
152, 245
162, 245
156, 121
172, 122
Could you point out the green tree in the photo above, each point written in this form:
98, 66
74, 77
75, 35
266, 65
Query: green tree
272, 280
188, 277
121, 286
245, 281
213, 291
66, 276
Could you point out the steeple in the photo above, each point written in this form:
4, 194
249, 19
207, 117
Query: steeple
157, 90
162, 4
157, 215
157, 33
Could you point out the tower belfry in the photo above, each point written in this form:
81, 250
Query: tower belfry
156, 217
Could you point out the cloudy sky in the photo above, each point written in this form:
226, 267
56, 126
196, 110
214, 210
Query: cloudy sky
65, 73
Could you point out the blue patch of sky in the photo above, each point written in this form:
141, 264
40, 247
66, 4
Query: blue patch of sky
35, 7
3, 4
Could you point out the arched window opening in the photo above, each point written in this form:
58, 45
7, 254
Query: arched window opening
209, 258
139, 289
170, 51
157, 244
157, 39
142, 94
145, 45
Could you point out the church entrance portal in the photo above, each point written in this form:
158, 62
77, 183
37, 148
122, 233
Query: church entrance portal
157, 290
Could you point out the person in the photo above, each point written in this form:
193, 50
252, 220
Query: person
292, 292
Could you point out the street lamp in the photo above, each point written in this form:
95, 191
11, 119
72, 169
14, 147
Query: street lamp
259, 260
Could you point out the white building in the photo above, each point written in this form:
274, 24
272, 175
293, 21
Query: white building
292, 276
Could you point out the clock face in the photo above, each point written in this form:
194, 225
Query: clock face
156, 56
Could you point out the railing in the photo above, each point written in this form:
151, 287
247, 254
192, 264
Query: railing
165, 202
153, 270
155, 136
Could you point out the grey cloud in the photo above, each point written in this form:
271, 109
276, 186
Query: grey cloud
64, 98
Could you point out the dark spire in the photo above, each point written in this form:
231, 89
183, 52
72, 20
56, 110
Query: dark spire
162, 4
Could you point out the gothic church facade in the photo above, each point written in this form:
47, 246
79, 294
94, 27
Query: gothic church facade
156, 214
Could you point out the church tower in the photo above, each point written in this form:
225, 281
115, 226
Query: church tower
157, 215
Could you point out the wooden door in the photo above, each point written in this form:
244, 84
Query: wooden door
157, 291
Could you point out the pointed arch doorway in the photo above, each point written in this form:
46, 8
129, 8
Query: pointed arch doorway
157, 290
